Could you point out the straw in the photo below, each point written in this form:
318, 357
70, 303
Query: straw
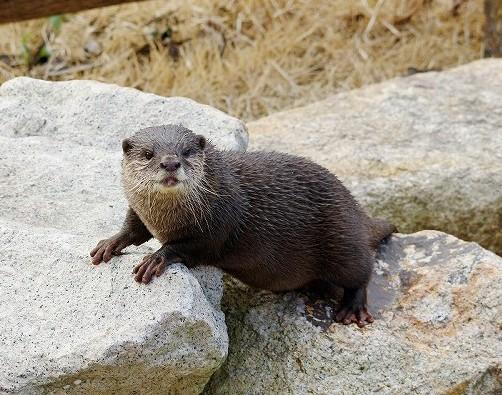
248, 58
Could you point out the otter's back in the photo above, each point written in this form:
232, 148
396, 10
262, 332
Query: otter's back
299, 214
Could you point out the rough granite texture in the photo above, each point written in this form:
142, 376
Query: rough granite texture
438, 305
66, 326
424, 151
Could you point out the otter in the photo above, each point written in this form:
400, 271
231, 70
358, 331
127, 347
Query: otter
274, 221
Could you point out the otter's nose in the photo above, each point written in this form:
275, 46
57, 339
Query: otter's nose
170, 164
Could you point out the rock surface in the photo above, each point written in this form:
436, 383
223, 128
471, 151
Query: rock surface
438, 305
424, 151
66, 326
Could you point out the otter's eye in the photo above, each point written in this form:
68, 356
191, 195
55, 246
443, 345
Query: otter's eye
187, 152
148, 155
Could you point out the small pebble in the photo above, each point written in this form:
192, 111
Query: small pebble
93, 47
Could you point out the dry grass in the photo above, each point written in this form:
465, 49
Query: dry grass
248, 58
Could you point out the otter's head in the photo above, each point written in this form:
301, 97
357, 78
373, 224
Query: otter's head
167, 159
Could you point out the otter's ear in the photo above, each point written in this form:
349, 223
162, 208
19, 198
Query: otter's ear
126, 145
201, 140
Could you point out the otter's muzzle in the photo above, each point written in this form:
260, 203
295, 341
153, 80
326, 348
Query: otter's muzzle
170, 164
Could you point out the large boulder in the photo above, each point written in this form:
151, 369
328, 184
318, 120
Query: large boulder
437, 302
66, 326
424, 151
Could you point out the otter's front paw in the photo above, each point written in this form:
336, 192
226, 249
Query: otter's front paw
152, 264
108, 248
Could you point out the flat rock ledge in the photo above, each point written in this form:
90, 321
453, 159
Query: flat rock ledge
424, 151
438, 307
67, 327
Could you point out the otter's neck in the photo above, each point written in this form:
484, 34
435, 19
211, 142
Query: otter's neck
172, 215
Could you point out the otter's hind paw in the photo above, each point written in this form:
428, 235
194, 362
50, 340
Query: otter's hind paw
354, 308
361, 317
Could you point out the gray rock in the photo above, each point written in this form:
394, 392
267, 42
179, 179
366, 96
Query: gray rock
66, 326
91, 113
424, 151
60, 147
438, 307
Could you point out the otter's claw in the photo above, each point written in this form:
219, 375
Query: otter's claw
108, 248
354, 308
153, 264
361, 317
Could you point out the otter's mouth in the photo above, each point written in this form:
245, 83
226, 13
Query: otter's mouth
169, 181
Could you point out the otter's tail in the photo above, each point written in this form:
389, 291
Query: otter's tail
380, 230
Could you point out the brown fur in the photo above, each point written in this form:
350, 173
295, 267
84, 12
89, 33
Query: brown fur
274, 221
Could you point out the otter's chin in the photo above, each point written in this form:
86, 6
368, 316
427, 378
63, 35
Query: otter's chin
170, 181
169, 185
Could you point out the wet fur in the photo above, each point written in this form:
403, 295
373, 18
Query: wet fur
272, 220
